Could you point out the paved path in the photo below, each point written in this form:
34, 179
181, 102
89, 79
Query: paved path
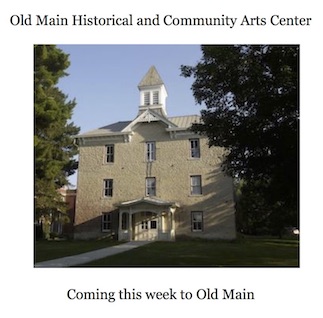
91, 256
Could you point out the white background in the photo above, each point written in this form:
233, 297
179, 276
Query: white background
279, 292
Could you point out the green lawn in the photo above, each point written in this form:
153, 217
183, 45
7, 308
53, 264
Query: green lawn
47, 250
243, 252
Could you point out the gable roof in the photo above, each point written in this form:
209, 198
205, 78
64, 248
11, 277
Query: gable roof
149, 200
123, 127
149, 116
106, 130
151, 78
185, 121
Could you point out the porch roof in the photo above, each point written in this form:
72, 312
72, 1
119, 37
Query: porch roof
149, 200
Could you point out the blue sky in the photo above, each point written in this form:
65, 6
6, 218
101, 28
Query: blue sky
103, 80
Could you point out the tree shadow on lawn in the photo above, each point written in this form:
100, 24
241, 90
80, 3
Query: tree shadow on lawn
208, 253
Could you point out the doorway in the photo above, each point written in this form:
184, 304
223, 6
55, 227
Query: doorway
145, 226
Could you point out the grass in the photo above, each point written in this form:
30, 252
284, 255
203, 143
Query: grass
239, 253
243, 252
48, 250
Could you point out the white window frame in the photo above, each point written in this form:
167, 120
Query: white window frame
155, 97
106, 222
150, 186
109, 153
108, 188
151, 98
150, 151
144, 225
195, 149
197, 224
146, 98
196, 184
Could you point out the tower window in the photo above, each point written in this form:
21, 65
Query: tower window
147, 98
155, 98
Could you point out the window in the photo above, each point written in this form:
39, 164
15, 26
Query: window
107, 187
150, 186
151, 98
144, 225
195, 148
147, 98
196, 185
197, 221
153, 224
155, 98
106, 222
109, 153
150, 151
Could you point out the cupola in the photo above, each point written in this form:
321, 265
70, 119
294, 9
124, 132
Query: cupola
152, 93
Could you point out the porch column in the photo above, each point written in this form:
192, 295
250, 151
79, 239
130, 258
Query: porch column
159, 224
130, 225
172, 210
120, 233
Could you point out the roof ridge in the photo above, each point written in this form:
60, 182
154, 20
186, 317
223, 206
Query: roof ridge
183, 116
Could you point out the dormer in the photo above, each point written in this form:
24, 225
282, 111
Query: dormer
152, 93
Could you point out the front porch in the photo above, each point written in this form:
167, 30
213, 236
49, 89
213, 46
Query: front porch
146, 219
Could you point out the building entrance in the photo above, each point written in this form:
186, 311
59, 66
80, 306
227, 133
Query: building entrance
145, 226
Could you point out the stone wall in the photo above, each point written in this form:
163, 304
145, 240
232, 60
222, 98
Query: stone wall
172, 170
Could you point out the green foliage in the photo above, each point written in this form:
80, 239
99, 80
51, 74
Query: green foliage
53, 132
251, 99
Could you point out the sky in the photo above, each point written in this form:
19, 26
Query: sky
103, 80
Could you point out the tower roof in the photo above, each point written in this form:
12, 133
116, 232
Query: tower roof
151, 78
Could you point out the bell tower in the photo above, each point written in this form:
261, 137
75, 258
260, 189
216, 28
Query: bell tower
152, 93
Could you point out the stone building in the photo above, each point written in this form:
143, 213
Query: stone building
152, 178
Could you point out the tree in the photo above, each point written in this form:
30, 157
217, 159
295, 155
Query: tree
251, 96
53, 130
